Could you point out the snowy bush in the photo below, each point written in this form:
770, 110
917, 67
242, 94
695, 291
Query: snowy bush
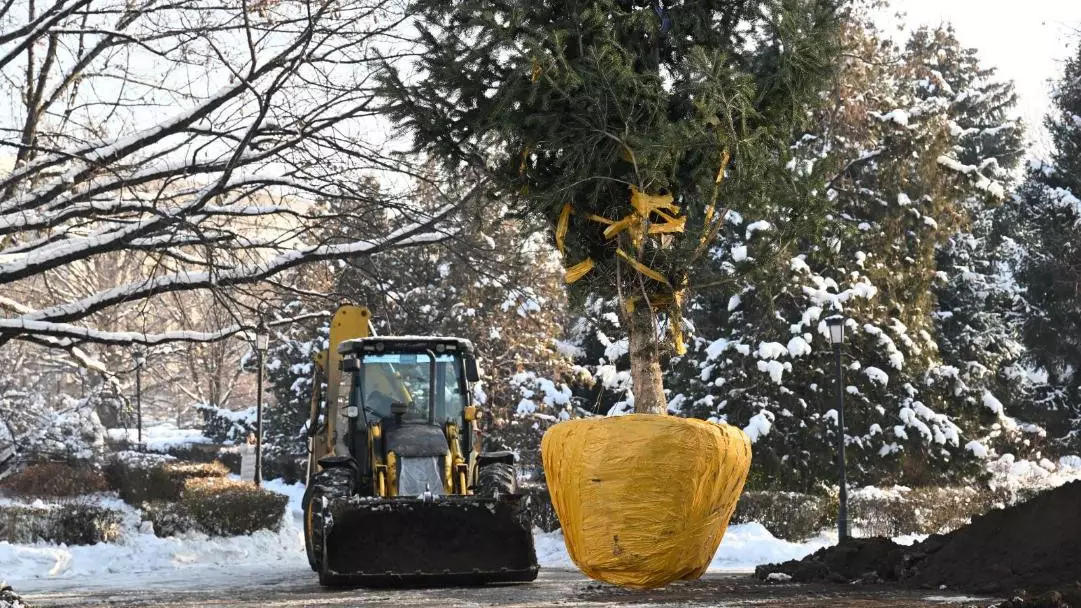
9, 599
168, 518
931, 510
148, 479
222, 507
72, 433
791, 516
54, 480
227, 426
68, 522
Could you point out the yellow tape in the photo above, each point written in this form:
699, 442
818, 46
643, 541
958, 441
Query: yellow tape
561, 226
709, 232
638, 225
642, 268
644, 203
675, 323
683, 498
578, 271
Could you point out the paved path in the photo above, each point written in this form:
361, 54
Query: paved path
553, 587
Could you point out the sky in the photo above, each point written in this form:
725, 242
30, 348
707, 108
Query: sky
1027, 41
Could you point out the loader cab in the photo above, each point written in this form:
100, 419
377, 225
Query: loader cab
405, 403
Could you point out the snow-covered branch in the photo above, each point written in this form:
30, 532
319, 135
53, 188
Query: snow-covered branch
175, 146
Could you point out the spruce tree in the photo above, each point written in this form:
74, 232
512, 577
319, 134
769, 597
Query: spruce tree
629, 125
900, 181
1050, 210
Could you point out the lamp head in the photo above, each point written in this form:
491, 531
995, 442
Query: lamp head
836, 325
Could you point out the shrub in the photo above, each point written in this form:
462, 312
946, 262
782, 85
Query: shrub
227, 426
930, 510
169, 518
70, 523
789, 515
140, 478
222, 507
10, 599
54, 480
539, 503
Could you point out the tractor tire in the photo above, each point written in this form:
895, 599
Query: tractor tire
497, 479
329, 483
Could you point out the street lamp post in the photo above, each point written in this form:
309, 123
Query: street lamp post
836, 325
262, 340
139, 357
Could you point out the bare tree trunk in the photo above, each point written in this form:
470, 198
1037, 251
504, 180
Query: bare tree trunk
645, 358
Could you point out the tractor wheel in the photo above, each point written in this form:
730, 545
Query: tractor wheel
331, 483
497, 479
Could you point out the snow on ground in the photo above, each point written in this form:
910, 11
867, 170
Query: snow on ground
744, 546
1012, 474
140, 558
160, 436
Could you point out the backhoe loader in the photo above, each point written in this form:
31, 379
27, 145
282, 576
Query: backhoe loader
399, 492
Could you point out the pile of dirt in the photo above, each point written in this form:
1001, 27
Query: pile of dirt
1033, 547
870, 560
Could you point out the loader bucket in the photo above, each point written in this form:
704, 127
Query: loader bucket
446, 540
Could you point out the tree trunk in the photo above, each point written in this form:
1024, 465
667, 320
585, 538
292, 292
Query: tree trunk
645, 358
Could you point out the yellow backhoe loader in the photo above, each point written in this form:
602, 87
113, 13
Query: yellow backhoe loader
398, 489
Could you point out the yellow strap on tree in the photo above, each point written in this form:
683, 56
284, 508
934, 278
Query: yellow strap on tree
638, 225
675, 322
578, 271
709, 231
642, 268
561, 226
645, 204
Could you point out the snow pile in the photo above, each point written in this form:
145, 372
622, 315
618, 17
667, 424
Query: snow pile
139, 554
744, 547
160, 436
1011, 474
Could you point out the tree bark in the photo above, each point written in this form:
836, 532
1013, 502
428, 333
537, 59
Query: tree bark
645, 355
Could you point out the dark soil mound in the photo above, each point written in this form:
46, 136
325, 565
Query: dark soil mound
1034, 546
873, 560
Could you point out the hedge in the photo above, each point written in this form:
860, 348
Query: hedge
69, 523
54, 480
151, 477
10, 599
217, 507
789, 515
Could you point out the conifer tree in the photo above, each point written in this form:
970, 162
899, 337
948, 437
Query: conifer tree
629, 125
1050, 211
901, 175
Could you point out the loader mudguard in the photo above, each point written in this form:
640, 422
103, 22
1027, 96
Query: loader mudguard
486, 458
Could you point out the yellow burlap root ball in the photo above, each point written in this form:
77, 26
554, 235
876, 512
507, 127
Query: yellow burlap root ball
644, 500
